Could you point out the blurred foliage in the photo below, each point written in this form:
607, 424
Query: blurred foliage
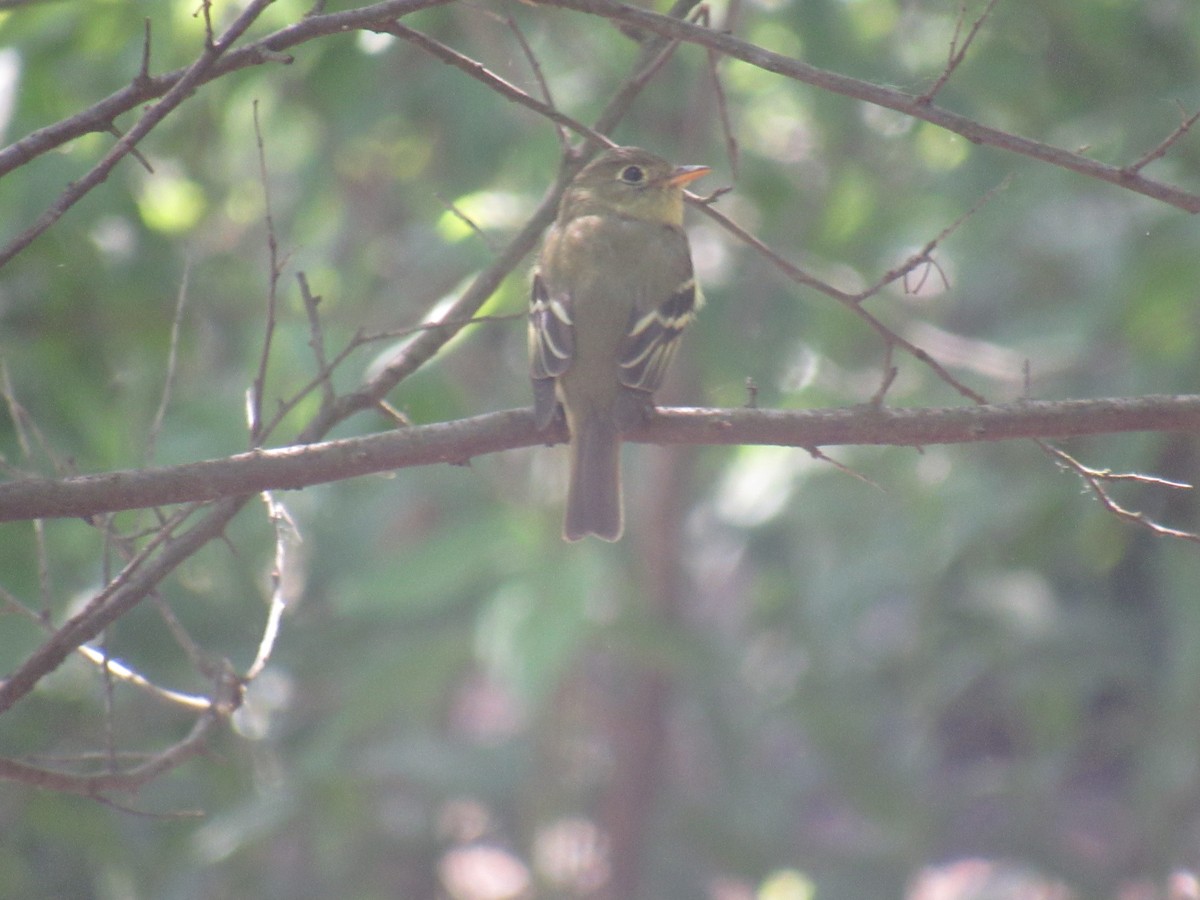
850, 689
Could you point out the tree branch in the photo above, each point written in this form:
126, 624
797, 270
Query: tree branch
166, 551
101, 783
909, 104
414, 354
458, 441
268, 49
179, 91
122, 594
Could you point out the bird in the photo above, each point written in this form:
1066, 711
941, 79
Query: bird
612, 291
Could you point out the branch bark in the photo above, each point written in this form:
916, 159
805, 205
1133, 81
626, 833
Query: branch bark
122, 594
182, 88
910, 104
458, 441
99, 116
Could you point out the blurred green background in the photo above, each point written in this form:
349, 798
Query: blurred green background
785, 682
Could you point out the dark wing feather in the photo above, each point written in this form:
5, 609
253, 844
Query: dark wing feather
551, 347
653, 336
551, 332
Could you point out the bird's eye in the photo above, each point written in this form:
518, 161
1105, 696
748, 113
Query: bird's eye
633, 175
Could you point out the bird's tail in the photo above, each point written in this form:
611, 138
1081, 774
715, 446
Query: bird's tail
594, 493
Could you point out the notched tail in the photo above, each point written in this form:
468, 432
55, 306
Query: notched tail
594, 494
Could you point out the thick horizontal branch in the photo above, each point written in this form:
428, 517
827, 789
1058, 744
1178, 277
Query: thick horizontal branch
910, 104
457, 442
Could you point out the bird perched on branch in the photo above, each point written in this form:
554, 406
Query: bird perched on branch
612, 292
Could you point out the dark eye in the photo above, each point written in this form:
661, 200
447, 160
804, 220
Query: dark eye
633, 175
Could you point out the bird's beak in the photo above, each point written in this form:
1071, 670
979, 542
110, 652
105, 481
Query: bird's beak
682, 175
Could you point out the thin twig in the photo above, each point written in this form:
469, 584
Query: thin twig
16, 412
820, 456
889, 372
140, 91
465, 219
27, 430
883, 96
316, 340
196, 656
206, 11
120, 595
535, 66
481, 73
853, 302
925, 254
286, 533
713, 60
103, 783
129, 676
181, 90
134, 152
259, 385
45, 594
143, 75
1161, 150
1095, 479
115, 668
172, 363
957, 52
361, 339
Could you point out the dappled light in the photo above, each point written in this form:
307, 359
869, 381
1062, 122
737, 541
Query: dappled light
904, 600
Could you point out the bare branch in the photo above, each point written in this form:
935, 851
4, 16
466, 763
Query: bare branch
466, 220
180, 91
270, 49
134, 152
536, 67
259, 385
458, 441
172, 362
1095, 480
714, 59
925, 254
958, 52
106, 782
482, 74
143, 89
159, 558
853, 302
123, 673
16, 411
286, 534
432, 337
143, 74
166, 550
116, 669
1161, 150
316, 340
887, 97
27, 431
424, 346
